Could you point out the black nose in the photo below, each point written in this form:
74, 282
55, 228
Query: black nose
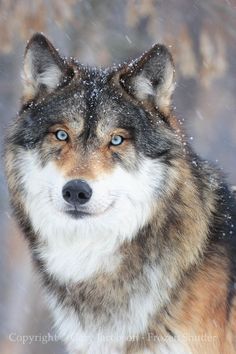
76, 192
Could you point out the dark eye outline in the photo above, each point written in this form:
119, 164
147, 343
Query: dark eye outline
120, 136
66, 134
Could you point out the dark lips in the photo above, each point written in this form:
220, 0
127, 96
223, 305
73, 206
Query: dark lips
77, 214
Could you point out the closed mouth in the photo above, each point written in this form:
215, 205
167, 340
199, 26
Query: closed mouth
77, 214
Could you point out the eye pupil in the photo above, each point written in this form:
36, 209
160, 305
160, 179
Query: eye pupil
117, 140
61, 135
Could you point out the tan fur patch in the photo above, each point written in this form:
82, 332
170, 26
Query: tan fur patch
76, 165
199, 318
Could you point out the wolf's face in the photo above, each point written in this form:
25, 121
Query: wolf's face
92, 148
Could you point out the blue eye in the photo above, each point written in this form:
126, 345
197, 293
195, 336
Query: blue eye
61, 135
117, 140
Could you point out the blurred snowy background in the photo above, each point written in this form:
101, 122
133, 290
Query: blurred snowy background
202, 37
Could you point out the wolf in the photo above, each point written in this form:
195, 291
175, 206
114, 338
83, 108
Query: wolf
132, 233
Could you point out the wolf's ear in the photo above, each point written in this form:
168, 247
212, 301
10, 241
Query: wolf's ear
44, 69
150, 79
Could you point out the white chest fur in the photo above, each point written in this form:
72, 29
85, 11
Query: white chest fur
111, 341
126, 324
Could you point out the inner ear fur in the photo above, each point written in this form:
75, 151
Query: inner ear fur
150, 78
44, 69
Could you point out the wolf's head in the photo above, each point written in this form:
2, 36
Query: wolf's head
91, 148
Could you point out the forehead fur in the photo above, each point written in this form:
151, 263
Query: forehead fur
94, 105
91, 98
